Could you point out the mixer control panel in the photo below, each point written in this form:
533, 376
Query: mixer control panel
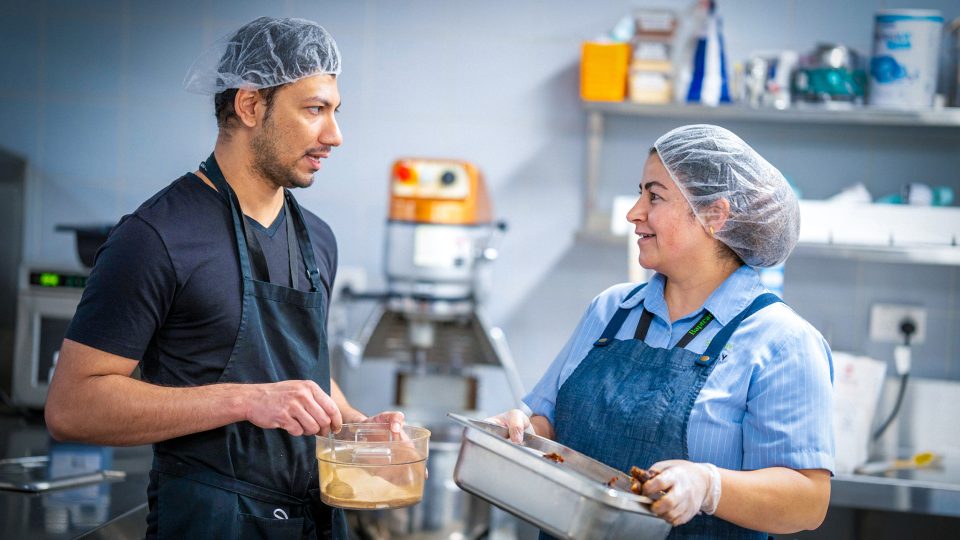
430, 180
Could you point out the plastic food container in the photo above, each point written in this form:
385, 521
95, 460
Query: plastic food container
367, 467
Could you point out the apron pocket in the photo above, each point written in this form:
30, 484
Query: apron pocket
178, 501
253, 527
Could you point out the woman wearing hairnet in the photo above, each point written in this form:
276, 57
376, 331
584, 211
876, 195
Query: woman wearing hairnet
701, 373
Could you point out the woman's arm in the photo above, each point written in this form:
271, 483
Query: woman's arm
776, 500
542, 426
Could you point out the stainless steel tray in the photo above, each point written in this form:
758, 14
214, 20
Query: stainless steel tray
569, 500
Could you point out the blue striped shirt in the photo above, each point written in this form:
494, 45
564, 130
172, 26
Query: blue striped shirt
767, 403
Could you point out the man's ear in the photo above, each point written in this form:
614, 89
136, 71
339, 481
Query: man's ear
715, 215
245, 106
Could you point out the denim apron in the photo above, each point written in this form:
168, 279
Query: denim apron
628, 403
239, 480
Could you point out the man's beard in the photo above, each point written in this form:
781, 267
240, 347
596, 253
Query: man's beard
266, 160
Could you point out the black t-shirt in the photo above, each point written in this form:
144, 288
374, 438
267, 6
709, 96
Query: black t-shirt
166, 286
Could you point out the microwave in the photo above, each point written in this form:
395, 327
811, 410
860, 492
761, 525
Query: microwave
46, 303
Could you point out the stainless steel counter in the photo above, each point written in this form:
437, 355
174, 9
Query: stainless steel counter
932, 491
75, 511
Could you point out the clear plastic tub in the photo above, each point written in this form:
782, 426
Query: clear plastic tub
367, 467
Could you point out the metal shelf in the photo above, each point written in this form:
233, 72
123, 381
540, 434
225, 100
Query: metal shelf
947, 117
916, 254
913, 254
596, 222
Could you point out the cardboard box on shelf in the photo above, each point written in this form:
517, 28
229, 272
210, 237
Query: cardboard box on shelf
650, 87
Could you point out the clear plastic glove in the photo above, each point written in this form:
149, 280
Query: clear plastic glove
690, 488
516, 422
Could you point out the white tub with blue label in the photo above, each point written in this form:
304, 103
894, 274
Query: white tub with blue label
906, 48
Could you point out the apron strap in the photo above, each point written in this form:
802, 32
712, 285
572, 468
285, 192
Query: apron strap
261, 269
647, 317
211, 168
249, 246
719, 341
695, 329
644, 325
292, 245
306, 248
617, 321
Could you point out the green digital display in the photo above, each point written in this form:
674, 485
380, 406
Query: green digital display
57, 280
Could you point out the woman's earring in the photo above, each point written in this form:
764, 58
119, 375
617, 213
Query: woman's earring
711, 230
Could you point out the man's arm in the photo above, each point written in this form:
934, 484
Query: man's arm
93, 399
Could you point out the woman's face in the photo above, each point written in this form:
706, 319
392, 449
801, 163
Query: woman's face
669, 236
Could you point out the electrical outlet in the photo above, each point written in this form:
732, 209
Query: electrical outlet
885, 322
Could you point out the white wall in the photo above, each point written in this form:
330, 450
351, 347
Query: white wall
90, 94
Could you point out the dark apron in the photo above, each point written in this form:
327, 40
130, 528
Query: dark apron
628, 403
242, 481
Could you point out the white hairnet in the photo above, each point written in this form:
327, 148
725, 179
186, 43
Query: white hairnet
710, 163
263, 53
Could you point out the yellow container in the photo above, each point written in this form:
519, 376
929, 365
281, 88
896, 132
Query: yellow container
603, 71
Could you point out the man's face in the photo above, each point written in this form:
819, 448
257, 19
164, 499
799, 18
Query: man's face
298, 131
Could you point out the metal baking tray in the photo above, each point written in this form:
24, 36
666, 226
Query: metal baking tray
570, 500
31, 474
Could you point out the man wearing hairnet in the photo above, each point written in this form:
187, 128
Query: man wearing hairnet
701, 375
218, 286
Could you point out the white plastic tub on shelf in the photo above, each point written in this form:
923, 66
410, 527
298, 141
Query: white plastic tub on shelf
880, 232
824, 222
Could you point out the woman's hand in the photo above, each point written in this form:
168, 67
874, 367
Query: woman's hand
690, 488
515, 421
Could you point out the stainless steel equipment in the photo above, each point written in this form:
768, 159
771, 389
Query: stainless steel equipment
439, 243
45, 306
46, 302
570, 500
440, 239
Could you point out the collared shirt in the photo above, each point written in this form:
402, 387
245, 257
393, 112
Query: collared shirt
768, 401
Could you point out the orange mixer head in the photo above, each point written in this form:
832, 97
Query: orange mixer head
441, 191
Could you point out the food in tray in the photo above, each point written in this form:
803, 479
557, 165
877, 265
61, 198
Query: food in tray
638, 476
554, 457
613, 481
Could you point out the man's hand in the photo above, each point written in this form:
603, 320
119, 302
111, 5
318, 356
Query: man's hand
299, 407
